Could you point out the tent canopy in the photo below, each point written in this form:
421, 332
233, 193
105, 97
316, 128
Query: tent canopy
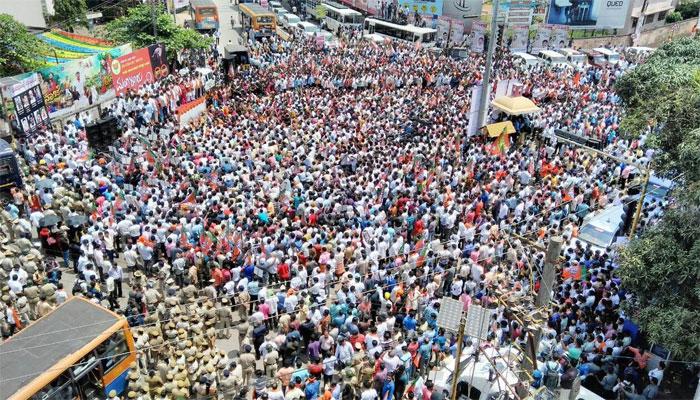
515, 105
495, 130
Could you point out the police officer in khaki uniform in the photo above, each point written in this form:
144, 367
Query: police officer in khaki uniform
270, 361
32, 295
225, 317
228, 386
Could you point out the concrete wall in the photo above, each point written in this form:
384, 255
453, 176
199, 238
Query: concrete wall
28, 12
649, 38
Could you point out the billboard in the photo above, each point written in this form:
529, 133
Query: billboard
463, 9
447, 27
422, 7
477, 36
518, 41
29, 106
159, 62
542, 38
560, 37
131, 71
69, 86
591, 14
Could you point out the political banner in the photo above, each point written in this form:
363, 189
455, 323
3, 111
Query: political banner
422, 7
542, 38
28, 104
462, 9
69, 86
159, 62
589, 14
131, 71
560, 37
477, 36
519, 37
11, 86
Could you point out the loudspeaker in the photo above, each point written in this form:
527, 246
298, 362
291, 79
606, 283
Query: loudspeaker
102, 132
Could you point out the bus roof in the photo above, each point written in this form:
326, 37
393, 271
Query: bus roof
5, 148
551, 53
53, 343
408, 28
255, 9
340, 9
603, 50
202, 3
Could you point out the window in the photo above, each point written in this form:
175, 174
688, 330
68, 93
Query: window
207, 12
265, 20
662, 16
112, 351
61, 388
649, 19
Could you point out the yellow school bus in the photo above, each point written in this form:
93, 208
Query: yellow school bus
259, 21
80, 350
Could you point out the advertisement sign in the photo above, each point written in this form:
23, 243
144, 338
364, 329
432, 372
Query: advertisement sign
75, 84
131, 71
542, 38
560, 36
422, 7
477, 36
519, 37
159, 62
447, 28
589, 14
27, 103
12, 86
462, 9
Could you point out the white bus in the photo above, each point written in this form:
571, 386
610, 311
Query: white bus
338, 16
408, 33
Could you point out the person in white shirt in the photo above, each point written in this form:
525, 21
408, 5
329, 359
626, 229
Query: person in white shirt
115, 272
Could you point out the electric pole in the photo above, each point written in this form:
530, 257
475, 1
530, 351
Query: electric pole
486, 82
153, 20
551, 259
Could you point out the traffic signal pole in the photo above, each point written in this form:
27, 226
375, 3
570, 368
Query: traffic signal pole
486, 82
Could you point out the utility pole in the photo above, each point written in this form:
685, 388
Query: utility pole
458, 356
153, 20
640, 204
486, 82
551, 259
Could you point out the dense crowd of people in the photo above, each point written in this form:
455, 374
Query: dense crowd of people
324, 205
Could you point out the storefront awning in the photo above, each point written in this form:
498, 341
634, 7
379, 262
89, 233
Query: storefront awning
495, 130
515, 105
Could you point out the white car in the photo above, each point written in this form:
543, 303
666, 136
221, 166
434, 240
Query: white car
289, 20
307, 28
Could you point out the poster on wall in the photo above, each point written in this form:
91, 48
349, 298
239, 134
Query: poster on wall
422, 7
477, 36
589, 14
560, 36
159, 62
131, 71
69, 86
519, 37
542, 38
30, 109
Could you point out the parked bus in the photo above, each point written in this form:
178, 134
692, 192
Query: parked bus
339, 16
10, 174
258, 20
80, 350
408, 33
204, 14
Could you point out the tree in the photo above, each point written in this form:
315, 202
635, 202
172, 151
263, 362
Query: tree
136, 28
19, 50
661, 268
70, 14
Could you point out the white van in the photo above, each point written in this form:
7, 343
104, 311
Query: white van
526, 59
290, 20
601, 229
612, 57
274, 4
307, 28
638, 54
572, 56
553, 58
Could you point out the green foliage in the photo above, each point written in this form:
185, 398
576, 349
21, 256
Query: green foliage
664, 92
70, 14
136, 28
19, 50
688, 9
673, 17
662, 269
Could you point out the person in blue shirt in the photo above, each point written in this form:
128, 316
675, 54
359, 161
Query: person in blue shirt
312, 389
410, 323
388, 388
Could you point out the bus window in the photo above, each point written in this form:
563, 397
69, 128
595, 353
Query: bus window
265, 20
61, 388
112, 351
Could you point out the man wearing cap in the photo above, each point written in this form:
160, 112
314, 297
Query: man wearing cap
224, 316
228, 386
247, 360
270, 361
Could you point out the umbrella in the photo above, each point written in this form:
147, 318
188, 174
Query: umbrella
45, 183
76, 220
515, 105
49, 220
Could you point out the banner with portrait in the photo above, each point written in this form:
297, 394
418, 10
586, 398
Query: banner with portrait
477, 36
519, 37
542, 38
560, 37
70, 86
159, 61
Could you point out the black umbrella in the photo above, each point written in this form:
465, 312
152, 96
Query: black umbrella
49, 220
76, 220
